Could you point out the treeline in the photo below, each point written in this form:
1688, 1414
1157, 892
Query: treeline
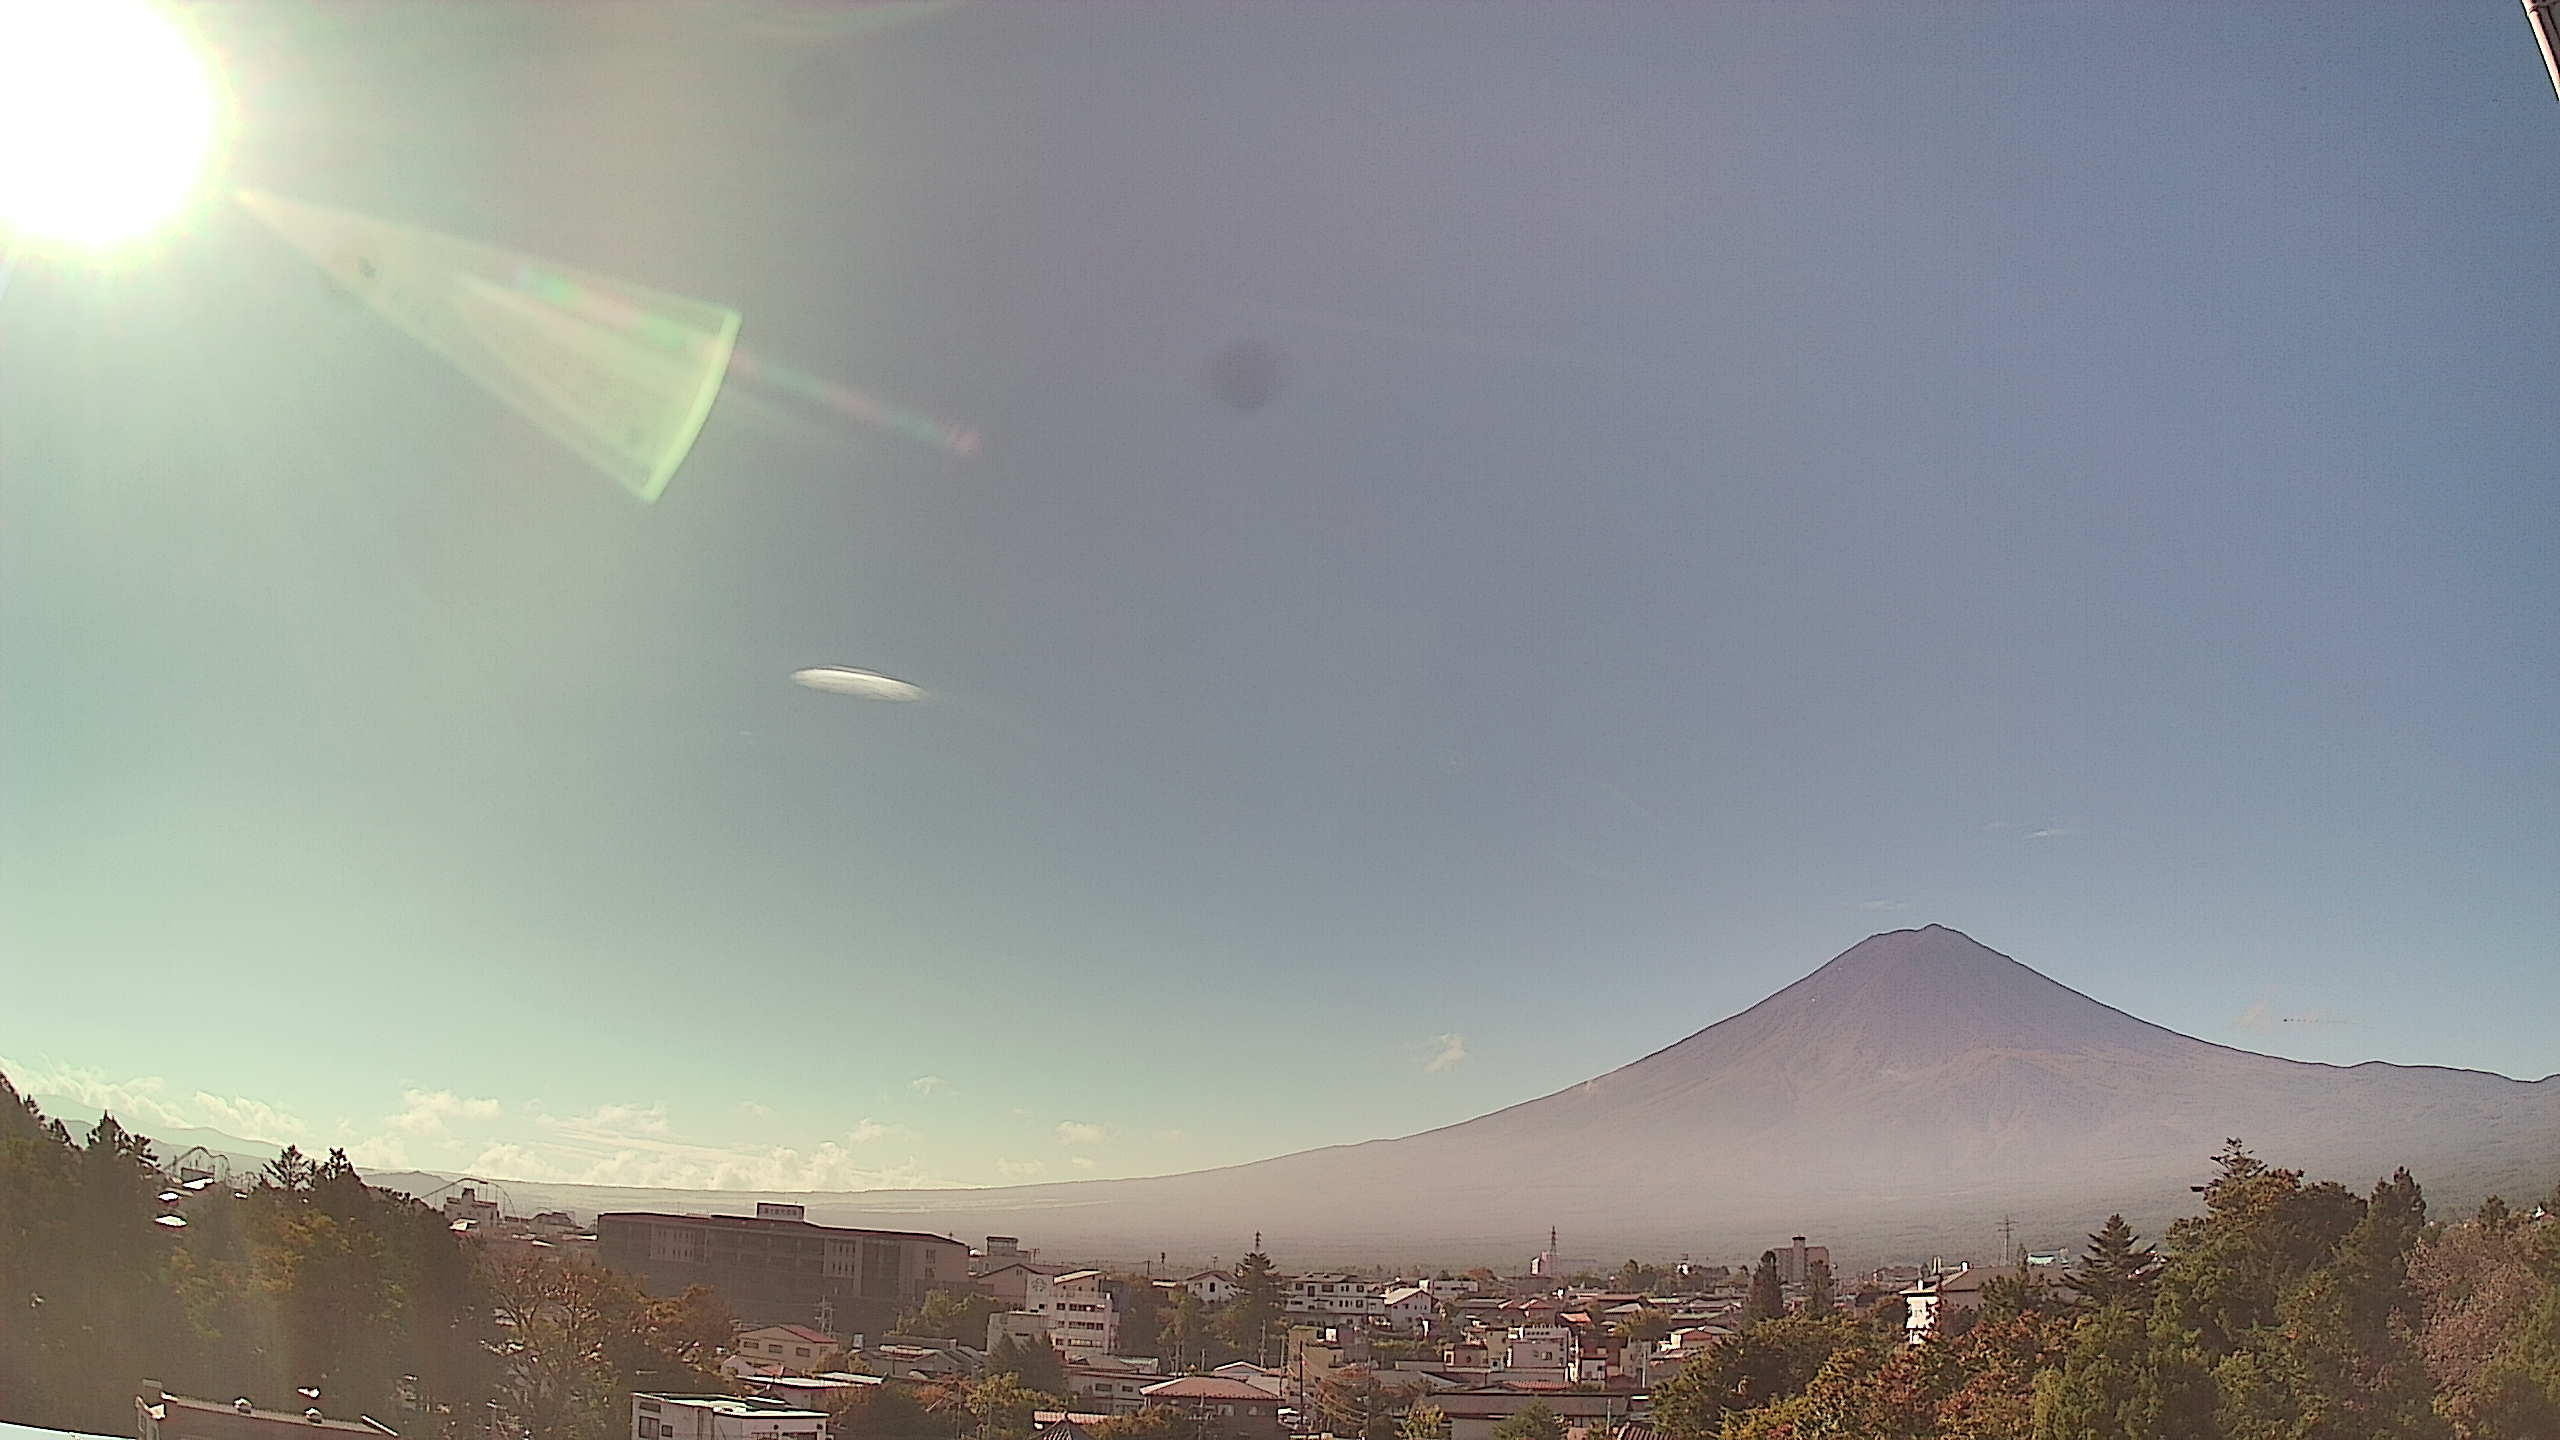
2288, 1310
305, 1278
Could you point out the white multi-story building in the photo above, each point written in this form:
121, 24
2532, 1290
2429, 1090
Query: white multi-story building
722, 1417
1084, 1320
1211, 1287
1340, 1296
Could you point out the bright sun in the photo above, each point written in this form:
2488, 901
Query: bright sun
107, 119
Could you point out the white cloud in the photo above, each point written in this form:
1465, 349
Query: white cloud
2059, 830
613, 1120
870, 1130
1884, 904
754, 1108
925, 1084
1081, 1162
1021, 1169
1447, 1053
379, 1152
1077, 1132
142, 1103
249, 1119
427, 1112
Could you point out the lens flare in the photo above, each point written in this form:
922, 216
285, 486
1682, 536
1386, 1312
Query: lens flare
108, 120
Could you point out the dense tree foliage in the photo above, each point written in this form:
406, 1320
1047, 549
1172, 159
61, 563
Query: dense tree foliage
950, 1315
2287, 1310
304, 1278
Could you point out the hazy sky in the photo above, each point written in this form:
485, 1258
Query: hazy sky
1744, 477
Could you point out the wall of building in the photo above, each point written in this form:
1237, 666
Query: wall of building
781, 1271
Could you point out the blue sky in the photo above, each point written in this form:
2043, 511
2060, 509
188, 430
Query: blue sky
1745, 477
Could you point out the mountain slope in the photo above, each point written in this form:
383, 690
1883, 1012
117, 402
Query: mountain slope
1900, 1099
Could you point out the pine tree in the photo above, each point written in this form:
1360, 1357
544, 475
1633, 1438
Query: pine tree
1768, 1297
290, 1170
1257, 1306
2116, 1271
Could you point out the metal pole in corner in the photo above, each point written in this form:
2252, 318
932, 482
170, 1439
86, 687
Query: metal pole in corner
2544, 16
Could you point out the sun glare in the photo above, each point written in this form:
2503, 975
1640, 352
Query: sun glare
107, 119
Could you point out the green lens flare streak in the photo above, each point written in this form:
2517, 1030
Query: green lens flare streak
622, 375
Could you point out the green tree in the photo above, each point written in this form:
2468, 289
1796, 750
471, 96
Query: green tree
1000, 1407
1032, 1362
1143, 1308
560, 1381
2117, 1270
1425, 1421
1646, 1325
2119, 1381
1251, 1318
288, 1171
1761, 1365
1535, 1421
950, 1315
1818, 1299
1186, 1335
1768, 1297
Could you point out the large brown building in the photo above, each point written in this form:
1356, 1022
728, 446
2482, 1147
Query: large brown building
774, 1270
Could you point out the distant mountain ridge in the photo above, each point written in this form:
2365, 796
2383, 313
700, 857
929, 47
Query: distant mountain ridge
1899, 1100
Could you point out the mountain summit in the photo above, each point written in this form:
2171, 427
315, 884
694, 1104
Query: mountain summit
1899, 1101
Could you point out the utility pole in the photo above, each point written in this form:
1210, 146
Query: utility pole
2008, 1241
2544, 16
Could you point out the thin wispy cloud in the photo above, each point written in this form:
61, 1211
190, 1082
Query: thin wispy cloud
2258, 1019
1021, 1169
925, 1084
2059, 830
1077, 1132
1447, 1053
590, 1158
611, 1120
1882, 905
1082, 1162
755, 1108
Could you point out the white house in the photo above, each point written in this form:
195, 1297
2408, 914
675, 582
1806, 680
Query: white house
1211, 1287
722, 1417
1084, 1320
793, 1347
1407, 1310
